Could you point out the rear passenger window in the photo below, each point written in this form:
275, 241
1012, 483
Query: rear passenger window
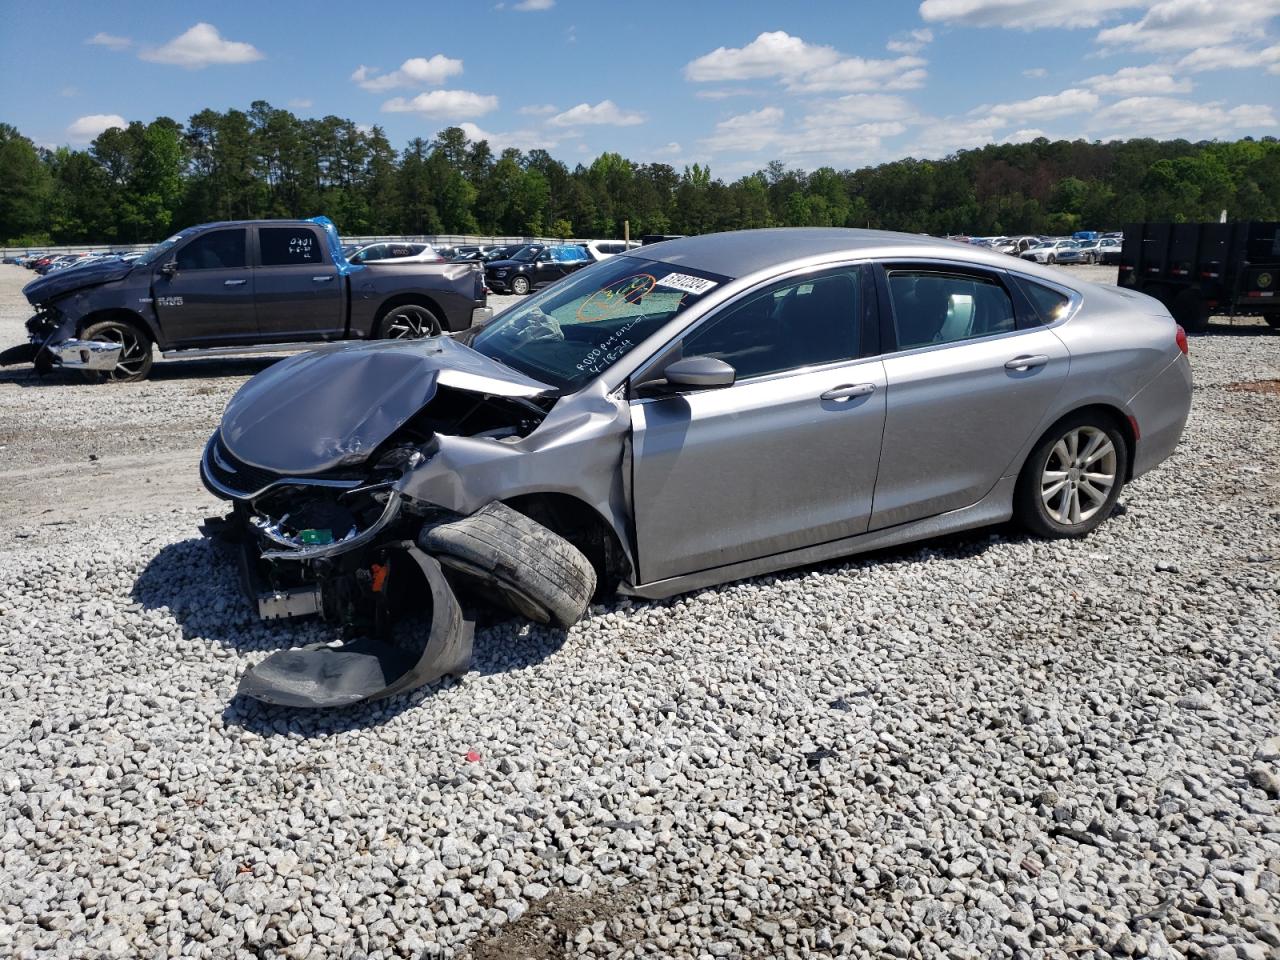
1050, 304
931, 307
283, 246
218, 249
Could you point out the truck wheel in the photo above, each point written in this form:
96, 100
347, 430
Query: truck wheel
135, 354
1273, 321
520, 563
1190, 311
520, 286
408, 321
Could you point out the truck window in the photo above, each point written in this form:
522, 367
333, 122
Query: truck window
216, 250
289, 246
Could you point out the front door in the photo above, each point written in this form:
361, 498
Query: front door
299, 290
970, 380
785, 457
208, 299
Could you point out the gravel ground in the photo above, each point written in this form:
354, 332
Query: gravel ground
983, 746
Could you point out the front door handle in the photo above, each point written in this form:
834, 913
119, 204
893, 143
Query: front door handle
847, 391
1026, 363
323, 279
233, 283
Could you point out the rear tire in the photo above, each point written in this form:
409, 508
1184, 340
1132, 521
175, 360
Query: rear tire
1273, 321
408, 321
135, 359
1190, 311
1051, 259
1072, 479
517, 562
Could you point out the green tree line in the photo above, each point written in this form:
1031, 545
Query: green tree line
139, 183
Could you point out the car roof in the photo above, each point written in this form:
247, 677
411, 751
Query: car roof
739, 253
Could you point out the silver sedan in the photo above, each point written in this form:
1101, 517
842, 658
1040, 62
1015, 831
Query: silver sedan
727, 405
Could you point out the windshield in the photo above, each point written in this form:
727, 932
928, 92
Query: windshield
160, 249
525, 254
577, 329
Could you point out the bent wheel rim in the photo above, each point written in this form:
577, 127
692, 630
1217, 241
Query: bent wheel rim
410, 323
1078, 475
133, 351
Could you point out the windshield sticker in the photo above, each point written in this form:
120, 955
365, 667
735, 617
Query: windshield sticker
682, 281
614, 298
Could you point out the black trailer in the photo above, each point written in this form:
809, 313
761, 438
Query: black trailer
1199, 270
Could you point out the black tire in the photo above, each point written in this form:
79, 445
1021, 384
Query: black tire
135, 356
408, 321
1273, 321
1051, 259
1190, 311
527, 568
1049, 515
520, 286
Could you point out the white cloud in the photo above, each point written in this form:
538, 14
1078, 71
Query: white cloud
87, 128
804, 67
1025, 136
532, 5
747, 132
538, 109
1165, 117
1041, 108
1035, 73
520, 139
110, 41
1231, 58
672, 149
943, 137
444, 103
1151, 80
771, 54
862, 107
917, 41
414, 72
606, 113
200, 47
1191, 24
1024, 14
300, 103
724, 93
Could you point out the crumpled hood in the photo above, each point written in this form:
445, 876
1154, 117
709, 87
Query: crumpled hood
334, 406
60, 282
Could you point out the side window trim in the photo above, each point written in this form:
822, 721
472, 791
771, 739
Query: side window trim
998, 275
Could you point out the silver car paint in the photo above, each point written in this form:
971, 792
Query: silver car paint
1118, 345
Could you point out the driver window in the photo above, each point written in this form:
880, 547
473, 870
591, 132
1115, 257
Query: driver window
799, 323
216, 250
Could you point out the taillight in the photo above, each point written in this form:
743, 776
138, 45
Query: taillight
1181, 338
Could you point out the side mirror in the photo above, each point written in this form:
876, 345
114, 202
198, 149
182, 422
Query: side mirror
169, 268
698, 373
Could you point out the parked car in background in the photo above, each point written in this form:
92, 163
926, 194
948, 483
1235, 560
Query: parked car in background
1015, 246
535, 266
1109, 248
256, 286
395, 251
1055, 251
501, 252
604, 249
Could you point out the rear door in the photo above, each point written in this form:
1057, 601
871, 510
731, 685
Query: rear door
299, 292
971, 374
209, 300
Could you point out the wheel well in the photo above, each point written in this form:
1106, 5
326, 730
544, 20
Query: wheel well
583, 526
119, 315
1118, 420
417, 299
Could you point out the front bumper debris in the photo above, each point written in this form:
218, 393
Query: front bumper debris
322, 676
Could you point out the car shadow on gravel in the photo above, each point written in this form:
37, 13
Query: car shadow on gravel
198, 583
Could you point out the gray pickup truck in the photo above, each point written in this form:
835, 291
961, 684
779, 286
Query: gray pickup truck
250, 286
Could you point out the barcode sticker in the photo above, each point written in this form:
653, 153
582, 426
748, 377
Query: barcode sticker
682, 281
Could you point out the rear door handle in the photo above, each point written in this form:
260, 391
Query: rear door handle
1026, 363
233, 283
323, 279
847, 391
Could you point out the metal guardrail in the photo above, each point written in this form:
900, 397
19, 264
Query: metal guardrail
436, 240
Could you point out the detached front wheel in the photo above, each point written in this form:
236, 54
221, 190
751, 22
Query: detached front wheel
1072, 479
134, 362
409, 321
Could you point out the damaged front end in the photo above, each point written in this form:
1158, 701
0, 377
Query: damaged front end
341, 542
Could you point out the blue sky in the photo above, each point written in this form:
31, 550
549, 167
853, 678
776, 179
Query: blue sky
732, 84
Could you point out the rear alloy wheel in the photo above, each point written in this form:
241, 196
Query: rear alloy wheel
409, 321
1073, 478
134, 362
520, 286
